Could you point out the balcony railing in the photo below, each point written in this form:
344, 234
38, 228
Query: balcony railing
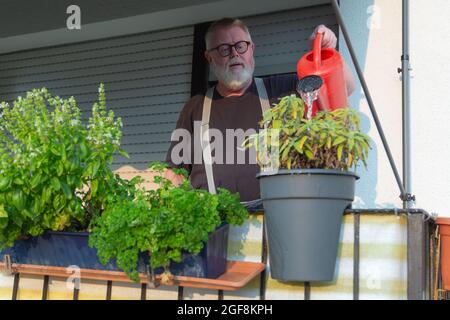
383, 254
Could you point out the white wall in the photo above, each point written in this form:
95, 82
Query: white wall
375, 31
430, 88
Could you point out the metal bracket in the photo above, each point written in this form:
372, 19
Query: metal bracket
408, 197
152, 282
443, 294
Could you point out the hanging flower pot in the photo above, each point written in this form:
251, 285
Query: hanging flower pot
306, 185
444, 231
303, 211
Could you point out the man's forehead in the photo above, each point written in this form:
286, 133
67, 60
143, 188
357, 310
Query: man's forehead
229, 34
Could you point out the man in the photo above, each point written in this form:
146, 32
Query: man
234, 105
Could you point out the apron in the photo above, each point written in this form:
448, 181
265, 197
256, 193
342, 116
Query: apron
204, 129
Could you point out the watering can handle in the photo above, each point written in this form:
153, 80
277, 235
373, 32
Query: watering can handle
317, 50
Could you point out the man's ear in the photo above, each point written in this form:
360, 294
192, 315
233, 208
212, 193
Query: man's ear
253, 47
208, 56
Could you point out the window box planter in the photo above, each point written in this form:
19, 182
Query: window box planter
64, 249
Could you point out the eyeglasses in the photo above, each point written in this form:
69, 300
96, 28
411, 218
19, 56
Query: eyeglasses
225, 49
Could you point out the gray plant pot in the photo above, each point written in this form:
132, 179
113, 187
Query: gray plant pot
303, 214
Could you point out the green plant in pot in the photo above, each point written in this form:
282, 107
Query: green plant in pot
165, 222
306, 184
54, 168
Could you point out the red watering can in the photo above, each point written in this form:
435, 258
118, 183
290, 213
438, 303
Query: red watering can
327, 64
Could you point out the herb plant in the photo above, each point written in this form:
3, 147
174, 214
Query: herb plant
330, 140
54, 170
164, 222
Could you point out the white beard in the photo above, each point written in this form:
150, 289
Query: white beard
233, 80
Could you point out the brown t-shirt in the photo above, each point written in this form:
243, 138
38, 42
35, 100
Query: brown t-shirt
243, 112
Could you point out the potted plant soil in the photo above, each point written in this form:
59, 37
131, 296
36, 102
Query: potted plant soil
306, 184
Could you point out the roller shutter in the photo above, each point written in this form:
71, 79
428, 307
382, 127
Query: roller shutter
147, 78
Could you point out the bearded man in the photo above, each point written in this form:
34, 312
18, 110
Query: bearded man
235, 105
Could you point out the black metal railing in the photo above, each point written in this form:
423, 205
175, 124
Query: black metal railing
421, 246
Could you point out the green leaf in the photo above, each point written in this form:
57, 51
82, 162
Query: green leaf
350, 160
351, 144
329, 143
338, 141
58, 203
54, 182
54, 150
46, 194
63, 153
285, 153
309, 154
18, 181
3, 213
95, 168
5, 182
74, 163
277, 124
94, 187
83, 150
36, 180
299, 144
18, 199
27, 213
37, 206
124, 153
339, 152
59, 168
66, 190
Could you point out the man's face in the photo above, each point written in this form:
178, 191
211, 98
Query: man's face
235, 70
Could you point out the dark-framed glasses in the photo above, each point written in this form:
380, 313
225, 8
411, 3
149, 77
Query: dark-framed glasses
225, 49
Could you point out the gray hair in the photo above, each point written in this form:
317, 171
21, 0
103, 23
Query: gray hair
224, 23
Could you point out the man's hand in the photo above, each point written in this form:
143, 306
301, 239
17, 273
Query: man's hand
176, 179
329, 39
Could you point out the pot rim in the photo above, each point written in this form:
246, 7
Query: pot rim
443, 221
282, 172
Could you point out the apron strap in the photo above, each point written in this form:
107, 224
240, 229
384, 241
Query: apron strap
205, 140
262, 93
204, 129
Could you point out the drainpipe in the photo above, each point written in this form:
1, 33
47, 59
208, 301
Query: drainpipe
417, 234
406, 115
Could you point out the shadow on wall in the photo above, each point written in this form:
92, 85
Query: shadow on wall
359, 18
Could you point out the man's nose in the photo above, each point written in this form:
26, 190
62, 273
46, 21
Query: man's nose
234, 52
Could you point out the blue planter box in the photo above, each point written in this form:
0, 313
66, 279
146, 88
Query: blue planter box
64, 249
